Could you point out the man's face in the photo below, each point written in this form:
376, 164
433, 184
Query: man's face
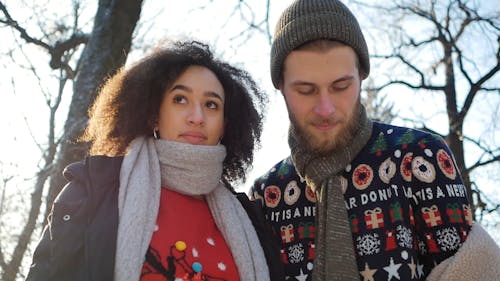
322, 94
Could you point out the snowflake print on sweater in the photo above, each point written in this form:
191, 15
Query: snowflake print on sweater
290, 207
406, 204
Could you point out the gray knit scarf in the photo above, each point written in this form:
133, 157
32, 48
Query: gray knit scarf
335, 258
189, 169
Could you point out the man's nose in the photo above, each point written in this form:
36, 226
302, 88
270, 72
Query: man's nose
325, 106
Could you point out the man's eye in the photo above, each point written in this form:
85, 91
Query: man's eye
341, 86
305, 90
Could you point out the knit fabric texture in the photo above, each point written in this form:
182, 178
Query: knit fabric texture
185, 168
335, 258
405, 201
186, 221
145, 169
309, 20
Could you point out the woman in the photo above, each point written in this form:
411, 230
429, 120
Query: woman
177, 129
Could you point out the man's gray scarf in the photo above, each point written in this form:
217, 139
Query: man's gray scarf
335, 258
189, 169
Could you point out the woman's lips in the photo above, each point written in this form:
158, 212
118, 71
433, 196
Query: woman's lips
193, 137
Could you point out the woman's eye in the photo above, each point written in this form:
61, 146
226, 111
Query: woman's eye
212, 105
179, 99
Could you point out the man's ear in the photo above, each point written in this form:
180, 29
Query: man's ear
280, 87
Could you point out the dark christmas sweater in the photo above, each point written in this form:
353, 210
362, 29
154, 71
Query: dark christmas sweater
405, 199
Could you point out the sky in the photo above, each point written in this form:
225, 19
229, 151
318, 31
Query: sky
252, 55
23, 109
23, 114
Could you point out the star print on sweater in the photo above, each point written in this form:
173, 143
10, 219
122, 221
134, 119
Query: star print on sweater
405, 199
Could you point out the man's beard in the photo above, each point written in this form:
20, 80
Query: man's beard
329, 146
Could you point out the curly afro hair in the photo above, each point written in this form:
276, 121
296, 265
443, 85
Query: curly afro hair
128, 105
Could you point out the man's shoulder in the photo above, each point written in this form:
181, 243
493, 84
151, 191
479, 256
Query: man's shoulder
404, 136
281, 172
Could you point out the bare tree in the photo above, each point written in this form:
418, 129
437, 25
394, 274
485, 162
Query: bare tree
106, 49
447, 48
252, 21
11, 268
378, 107
85, 60
61, 54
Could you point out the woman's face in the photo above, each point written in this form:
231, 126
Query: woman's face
192, 109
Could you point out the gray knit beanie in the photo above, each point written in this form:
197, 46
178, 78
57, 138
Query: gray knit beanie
309, 20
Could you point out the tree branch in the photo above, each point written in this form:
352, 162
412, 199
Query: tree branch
9, 21
3, 264
475, 88
407, 84
56, 51
430, 16
266, 21
2, 259
479, 164
427, 129
486, 151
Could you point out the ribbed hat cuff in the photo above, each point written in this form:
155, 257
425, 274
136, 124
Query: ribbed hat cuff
324, 25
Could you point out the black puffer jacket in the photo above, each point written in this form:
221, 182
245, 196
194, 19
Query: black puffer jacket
79, 242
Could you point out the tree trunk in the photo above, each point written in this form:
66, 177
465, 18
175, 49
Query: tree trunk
105, 52
455, 124
12, 268
454, 141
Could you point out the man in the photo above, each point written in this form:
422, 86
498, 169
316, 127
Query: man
387, 202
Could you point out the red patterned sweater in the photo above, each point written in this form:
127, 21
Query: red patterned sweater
187, 245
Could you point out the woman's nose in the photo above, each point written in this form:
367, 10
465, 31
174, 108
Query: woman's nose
196, 115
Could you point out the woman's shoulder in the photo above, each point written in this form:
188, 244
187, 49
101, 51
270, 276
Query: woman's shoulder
96, 165
93, 172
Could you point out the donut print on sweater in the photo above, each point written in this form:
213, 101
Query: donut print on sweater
406, 203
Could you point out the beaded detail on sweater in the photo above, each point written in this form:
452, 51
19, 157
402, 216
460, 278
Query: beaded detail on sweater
186, 244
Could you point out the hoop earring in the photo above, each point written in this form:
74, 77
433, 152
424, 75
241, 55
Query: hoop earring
155, 134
